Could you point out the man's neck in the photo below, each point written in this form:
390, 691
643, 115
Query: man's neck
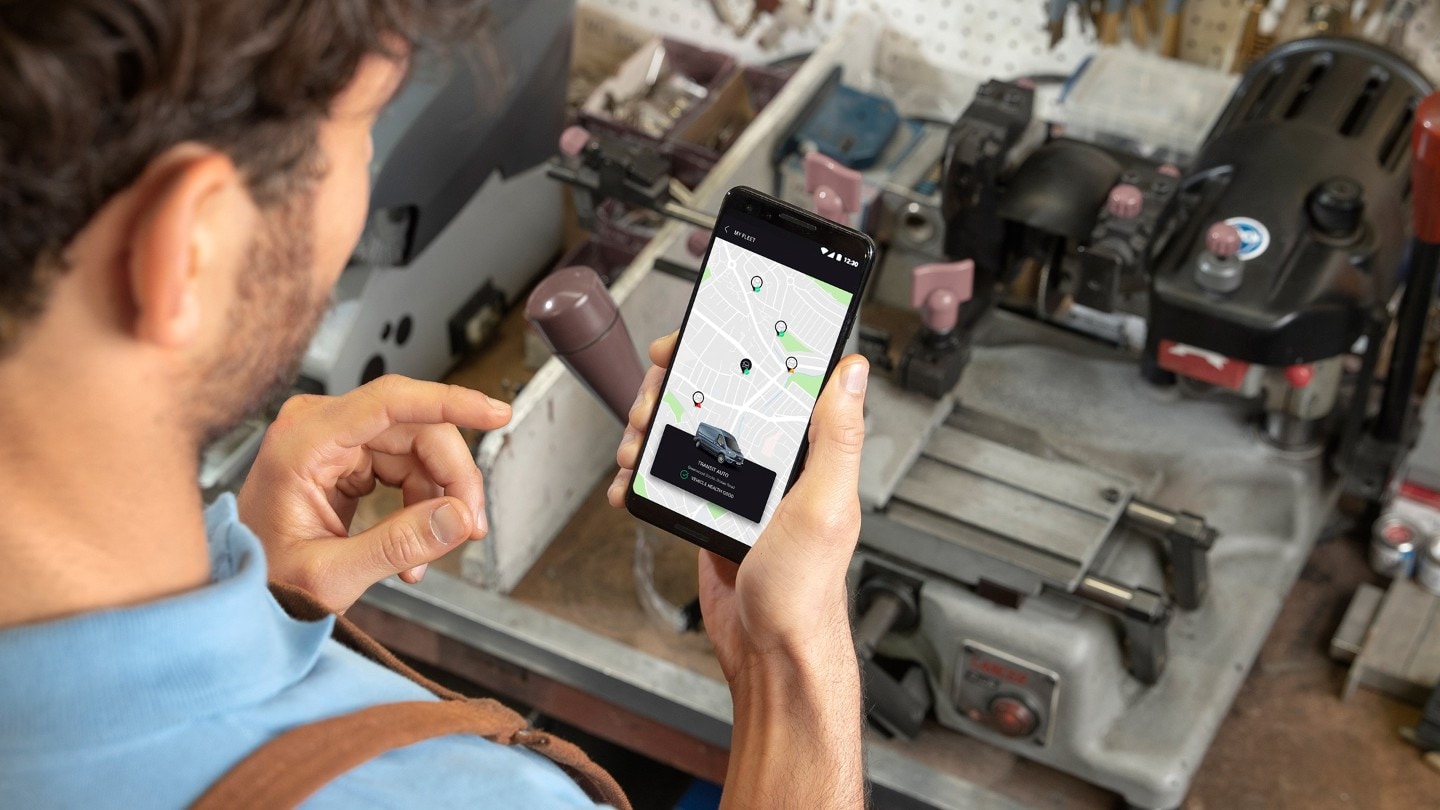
99, 506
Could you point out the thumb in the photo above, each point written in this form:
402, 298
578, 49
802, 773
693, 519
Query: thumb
416, 535
837, 432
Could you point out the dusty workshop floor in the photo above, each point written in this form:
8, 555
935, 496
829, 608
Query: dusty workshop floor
1289, 741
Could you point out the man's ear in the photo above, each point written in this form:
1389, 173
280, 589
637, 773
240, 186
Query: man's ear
189, 235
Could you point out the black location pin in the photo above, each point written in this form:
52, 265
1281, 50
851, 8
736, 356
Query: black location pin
757, 282
790, 364
745, 366
780, 328
698, 398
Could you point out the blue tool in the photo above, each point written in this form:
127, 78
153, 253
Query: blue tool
851, 127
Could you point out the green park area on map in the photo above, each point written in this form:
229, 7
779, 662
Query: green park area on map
792, 344
834, 292
675, 406
810, 383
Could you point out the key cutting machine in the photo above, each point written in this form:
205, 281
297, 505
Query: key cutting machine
1076, 552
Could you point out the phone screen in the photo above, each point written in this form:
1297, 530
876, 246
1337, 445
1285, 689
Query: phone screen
756, 347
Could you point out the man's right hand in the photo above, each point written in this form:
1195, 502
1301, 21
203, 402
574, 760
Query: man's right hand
780, 622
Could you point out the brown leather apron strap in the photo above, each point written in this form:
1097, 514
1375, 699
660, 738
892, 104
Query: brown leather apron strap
295, 765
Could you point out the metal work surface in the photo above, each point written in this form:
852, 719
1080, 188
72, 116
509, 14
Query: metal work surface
633, 681
1049, 508
893, 443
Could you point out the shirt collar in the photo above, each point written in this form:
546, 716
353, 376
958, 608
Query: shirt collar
116, 674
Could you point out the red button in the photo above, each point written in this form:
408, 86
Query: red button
1398, 533
1011, 717
1300, 376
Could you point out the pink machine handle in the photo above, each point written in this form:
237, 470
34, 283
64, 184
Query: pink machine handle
938, 290
574, 140
837, 191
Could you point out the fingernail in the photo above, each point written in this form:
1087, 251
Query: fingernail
448, 525
855, 377
420, 572
498, 404
640, 397
629, 436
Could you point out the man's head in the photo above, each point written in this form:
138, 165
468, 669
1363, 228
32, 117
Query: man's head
182, 181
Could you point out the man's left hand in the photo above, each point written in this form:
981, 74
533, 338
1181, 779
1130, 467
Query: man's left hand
323, 454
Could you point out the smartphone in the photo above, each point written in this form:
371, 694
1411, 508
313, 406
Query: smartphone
767, 322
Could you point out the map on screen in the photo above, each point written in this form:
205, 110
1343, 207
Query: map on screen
741, 388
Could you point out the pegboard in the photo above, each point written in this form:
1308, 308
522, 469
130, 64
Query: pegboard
981, 38
1422, 39
1210, 31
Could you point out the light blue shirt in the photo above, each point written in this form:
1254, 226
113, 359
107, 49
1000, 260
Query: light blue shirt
147, 706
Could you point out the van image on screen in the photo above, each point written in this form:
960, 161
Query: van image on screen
719, 443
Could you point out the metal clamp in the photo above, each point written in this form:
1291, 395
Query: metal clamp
896, 707
1188, 538
1145, 618
603, 167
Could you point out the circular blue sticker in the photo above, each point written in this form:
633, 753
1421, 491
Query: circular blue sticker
1254, 237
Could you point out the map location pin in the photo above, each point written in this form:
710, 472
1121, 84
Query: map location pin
757, 282
790, 364
698, 398
780, 328
745, 366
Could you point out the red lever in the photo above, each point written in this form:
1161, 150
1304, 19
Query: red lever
1425, 169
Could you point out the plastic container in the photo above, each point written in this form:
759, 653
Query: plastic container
1160, 107
707, 69
1393, 547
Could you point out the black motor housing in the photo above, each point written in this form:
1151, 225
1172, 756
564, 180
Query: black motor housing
1314, 147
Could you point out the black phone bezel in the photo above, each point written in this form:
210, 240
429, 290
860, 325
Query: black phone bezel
803, 224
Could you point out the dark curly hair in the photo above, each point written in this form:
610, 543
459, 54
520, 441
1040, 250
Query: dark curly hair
91, 91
